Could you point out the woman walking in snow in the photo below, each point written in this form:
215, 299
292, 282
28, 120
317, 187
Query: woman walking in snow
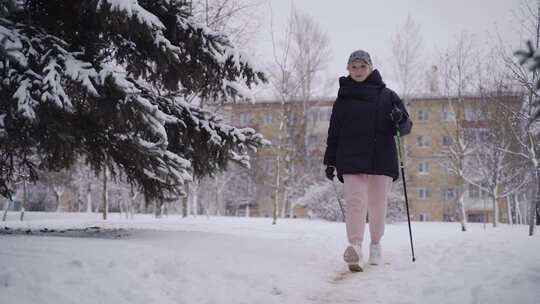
362, 149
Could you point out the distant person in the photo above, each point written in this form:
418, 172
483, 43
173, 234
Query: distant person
361, 147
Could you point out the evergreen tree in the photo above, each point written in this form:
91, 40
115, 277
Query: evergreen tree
108, 80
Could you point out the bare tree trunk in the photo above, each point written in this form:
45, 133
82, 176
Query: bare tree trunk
509, 210
57, 201
195, 201
127, 208
486, 214
532, 215
463, 214
158, 204
132, 197
120, 204
6, 207
495, 206
89, 198
284, 201
105, 194
278, 165
517, 207
495, 211
79, 203
535, 203
24, 199
144, 204
58, 192
283, 205
185, 202
276, 198
276, 192
217, 196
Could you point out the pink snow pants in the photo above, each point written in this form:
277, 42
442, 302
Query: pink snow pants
365, 194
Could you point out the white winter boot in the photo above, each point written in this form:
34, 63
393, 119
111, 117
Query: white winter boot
375, 254
353, 257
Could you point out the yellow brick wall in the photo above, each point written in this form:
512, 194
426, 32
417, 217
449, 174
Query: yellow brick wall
435, 181
438, 179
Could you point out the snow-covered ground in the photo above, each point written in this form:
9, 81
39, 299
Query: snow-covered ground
249, 260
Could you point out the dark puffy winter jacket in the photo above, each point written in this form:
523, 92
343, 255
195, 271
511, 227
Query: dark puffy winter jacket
361, 133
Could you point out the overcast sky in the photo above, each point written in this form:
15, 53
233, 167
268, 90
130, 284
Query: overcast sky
368, 25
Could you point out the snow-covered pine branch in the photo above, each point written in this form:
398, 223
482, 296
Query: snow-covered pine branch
107, 80
173, 41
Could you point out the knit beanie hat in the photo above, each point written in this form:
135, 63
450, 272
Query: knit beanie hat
360, 55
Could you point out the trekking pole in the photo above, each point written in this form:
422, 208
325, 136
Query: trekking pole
404, 188
339, 201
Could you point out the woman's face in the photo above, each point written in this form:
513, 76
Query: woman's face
359, 70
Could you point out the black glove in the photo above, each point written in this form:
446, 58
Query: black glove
396, 115
330, 172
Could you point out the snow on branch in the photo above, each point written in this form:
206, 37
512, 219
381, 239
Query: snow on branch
114, 92
133, 10
161, 28
39, 65
218, 136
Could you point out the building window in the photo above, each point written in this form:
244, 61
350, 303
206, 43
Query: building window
423, 193
423, 115
450, 194
447, 140
269, 165
423, 168
482, 135
314, 142
245, 119
424, 217
476, 192
475, 113
470, 114
447, 114
477, 135
326, 113
268, 118
313, 115
423, 141
292, 118
446, 167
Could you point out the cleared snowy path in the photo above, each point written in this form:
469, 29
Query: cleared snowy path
247, 260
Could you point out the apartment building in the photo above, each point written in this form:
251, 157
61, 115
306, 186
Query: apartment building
433, 189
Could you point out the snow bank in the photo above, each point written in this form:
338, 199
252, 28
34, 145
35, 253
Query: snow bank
248, 260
